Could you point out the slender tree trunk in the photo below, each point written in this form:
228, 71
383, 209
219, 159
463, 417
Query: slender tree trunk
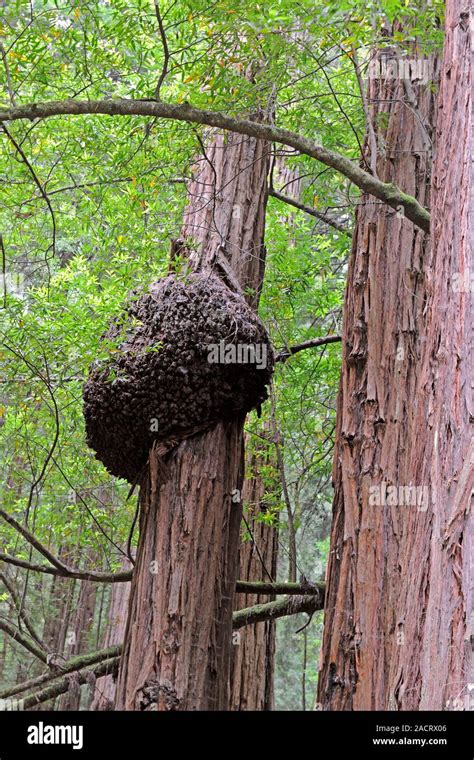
59, 611
254, 645
181, 604
383, 333
3, 655
105, 687
59, 608
80, 627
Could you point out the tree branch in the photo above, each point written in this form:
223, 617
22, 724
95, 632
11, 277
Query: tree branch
11, 93
68, 572
75, 663
8, 583
38, 184
61, 686
386, 192
291, 350
166, 52
241, 587
107, 661
281, 608
308, 210
25, 641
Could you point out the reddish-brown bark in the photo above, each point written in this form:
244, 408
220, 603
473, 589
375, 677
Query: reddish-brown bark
399, 575
254, 647
180, 617
382, 333
437, 666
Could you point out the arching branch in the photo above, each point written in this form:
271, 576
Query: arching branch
68, 572
386, 192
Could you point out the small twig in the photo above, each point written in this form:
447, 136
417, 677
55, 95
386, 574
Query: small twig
37, 481
292, 567
38, 184
309, 210
166, 52
11, 94
259, 554
303, 627
4, 271
368, 121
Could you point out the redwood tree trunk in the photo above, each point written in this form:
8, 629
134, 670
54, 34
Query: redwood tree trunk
382, 335
398, 578
59, 608
252, 684
438, 664
81, 625
105, 687
254, 646
180, 614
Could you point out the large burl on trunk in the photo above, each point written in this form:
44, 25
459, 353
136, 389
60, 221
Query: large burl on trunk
399, 582
177, 651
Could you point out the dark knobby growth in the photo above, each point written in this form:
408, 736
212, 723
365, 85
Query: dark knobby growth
190, 353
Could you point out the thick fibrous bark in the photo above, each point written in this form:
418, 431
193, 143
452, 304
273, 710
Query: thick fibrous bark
439, 659
383, 329
399, 578
180, 616
385, 191
225, 216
